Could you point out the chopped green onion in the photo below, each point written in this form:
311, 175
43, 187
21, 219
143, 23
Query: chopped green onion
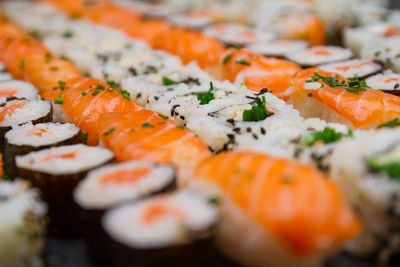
181, 127
5, 176
390, 168
54, 68
83, 93
214, 200
95, 93
85, 136
257, 113
167, 81
206, 97
110, 131
390, 124
243, 62
68, 34
328, 135
100, 87
22, 64
227, 58
147, 125
58, 100
62, 85
163, 116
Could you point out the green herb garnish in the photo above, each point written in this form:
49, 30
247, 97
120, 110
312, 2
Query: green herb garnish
95, 93
167, 81
83, 93
227, 58
22, 64
58, 100
147, 125
54, 68
100, 87
390, 124
68, 34
328, 135
390, 168
5, 176
111, 83
257, 113
214, 200
163, 116
62, 85
206, 97
243, 62
181, 127
47, 57
110, 131
354, 85
85, 136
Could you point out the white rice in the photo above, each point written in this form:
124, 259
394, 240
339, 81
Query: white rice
31, 111
125, 224
21, 89
277, 48
22, 215
352, 68
5, 77
93, 193
83, 158
385, 81
190, 21
318, 55
41, 134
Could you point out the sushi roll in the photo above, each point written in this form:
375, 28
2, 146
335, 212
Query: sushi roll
277, 48
388, 82
28, 138
114, 184
190, 21
353, 68
17, 111
56, 172
22, 225
19, 89
237, 34
367, 169
170, 230
318, 55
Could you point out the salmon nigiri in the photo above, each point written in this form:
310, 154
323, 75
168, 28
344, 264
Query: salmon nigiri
329, 96
85, 99
257, 71
45, 71
276, 212
149, 135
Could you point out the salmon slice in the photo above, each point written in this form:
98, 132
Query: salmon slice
45, 71
258, 71
301, 207
85, 99
363, 109
148, 135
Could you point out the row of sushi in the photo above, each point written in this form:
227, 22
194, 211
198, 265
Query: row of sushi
167, 229
144, 134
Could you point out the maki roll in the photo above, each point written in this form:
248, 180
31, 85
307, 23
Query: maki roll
318, 55
114, 184
237, 34
277, 48
19, 89
353, 68
56, 171
387, 82
28, 137
17, 111
22, 225
170, 230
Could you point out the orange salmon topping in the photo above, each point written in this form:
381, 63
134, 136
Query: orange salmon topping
8, 92
321, 52
37, 132
391, 31
388, 80
125, 176
9, 110
158, 211
346, 68
69, 155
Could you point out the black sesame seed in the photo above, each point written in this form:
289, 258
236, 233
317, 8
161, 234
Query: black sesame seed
262, 130
255, 136
396, 86
138, 95
248, 129
182, 117
230, 136
236, 130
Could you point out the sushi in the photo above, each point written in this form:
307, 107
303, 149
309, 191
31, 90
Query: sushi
387, 82
111, 185
163, 231
18, 89
366, 168
28, 138
277, 48
318, 55
56, 172
16, 111
353, 68
22, 225
276, 212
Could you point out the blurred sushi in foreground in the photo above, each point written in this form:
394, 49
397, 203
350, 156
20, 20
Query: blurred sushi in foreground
318, 55
176, 229
22, 225
354, 68
275, 212
388, 82
108, 186
17, 111
56, 171
28, 137
368, 170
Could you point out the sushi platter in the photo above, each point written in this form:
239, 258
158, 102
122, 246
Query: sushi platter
220, 133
